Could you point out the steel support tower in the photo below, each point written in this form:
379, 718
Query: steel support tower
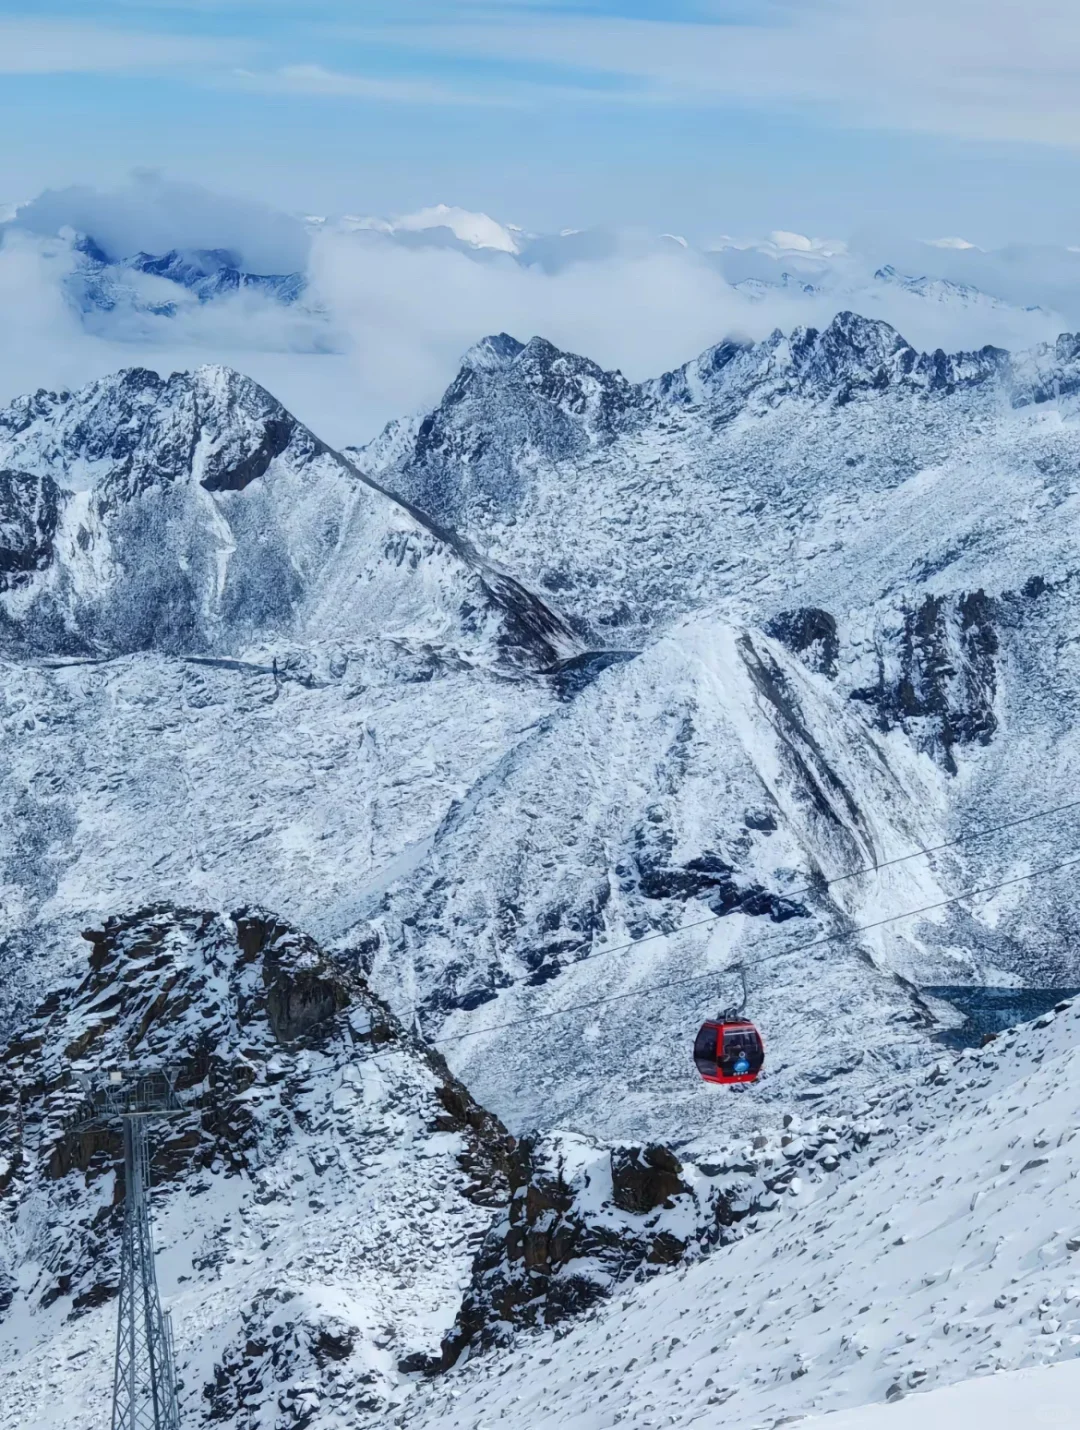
144, 1375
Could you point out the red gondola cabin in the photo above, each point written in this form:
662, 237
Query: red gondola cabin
722, 1047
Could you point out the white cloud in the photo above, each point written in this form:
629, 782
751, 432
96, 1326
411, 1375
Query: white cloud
153, 214
981, 69
74, 47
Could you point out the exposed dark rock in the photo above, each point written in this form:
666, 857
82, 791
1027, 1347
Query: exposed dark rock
643, 1179
555, 1251
937, 677
303, 989
29, 512
808, 632
509, 398
708, 876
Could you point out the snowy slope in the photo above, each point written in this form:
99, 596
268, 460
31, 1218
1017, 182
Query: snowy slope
820, 612
220, 782
883, 542
883, 662
950, 1256
672, 790
1043, 1396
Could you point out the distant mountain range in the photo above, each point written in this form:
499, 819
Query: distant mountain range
105, 284
162, 283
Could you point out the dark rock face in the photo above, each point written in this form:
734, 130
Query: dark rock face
810, 633
584, 1218
937, 677
303, 990
643, 1179
29, 511
708, 876
581, 1220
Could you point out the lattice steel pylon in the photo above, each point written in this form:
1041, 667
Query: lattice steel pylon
144, 1375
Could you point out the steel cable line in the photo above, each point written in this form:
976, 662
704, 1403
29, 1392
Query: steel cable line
780, 953
982, 833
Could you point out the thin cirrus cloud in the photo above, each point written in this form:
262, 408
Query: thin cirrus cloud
316, 80
975, 69
59, 46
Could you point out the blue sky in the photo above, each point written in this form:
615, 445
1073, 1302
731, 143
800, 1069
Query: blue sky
829, 116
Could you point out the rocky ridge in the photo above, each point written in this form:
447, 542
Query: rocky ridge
195, 514
316, 1209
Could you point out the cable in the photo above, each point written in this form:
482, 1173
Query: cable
784, 953
825, 884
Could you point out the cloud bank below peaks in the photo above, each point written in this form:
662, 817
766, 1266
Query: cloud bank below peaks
383, 309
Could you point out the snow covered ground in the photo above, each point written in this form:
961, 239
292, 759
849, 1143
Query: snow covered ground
661, 663
1040, 1397
951, 1255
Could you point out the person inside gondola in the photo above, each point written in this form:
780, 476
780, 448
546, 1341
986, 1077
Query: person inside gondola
740, 1047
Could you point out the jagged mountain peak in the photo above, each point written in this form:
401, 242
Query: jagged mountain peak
511, 401
497, 350
196, 512
851, 338
135, 428
159, 284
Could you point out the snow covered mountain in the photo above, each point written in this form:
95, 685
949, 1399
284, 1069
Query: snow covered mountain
880, 544
162, 284
559, 717
440, 225
195, 514
809, 586
359, 1218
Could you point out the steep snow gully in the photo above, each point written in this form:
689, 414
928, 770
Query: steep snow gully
542, 725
